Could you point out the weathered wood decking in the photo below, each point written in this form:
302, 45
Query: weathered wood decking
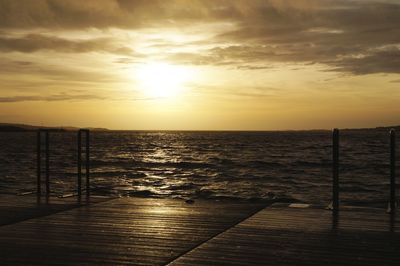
18, 208
121, 231
136, 231
279, 235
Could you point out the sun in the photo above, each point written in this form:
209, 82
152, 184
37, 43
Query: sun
162, 80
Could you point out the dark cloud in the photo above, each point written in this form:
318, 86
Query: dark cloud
129, 60
253, 67
36, 42
378, 62
69, 14
356, 61
345, 36
56, 14
250, 92
355, 36
352, 36
51, 98
68, 97
52, 74
72, 14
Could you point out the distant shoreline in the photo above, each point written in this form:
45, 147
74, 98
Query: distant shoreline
9, 127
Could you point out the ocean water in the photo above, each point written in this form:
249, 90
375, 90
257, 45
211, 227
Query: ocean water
259, 166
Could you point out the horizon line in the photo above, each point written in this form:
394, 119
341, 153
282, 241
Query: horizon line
194, 130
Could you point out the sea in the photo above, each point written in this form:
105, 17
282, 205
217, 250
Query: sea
273, 166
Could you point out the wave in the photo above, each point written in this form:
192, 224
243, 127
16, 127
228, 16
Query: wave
281, 166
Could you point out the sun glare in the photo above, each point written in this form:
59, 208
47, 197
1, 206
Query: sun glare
162, 80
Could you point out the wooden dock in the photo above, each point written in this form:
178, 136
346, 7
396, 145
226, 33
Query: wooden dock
138, 231
283, 235
117, 232
15, 208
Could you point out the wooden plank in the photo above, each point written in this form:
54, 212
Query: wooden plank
15, 208
117, 232
279, 235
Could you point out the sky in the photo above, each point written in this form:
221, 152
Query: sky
200, 64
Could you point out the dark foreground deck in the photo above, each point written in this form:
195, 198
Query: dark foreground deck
281, 235
19, 208
120, 231
136, 231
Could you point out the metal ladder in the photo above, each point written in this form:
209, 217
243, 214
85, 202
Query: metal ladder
46, 133
334, 206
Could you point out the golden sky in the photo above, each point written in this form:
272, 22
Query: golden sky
200, 64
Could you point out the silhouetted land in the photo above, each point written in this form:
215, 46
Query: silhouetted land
5, 127
9, 127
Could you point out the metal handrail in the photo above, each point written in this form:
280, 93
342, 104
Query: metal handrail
87, 161
39, 151
39, 161
335, 170
334, 206
392, 204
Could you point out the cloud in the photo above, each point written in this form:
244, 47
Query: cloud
69, 97
249, 92
37, 42
57, 14
341, 34
50, 74
72, 14
358, 37
336, 58
254, 67
379, 62
50, 98
336, 35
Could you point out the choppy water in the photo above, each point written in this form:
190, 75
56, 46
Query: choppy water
293, 166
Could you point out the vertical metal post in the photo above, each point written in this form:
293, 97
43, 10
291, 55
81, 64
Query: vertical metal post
392, 171
47, 164
38, 162
79, 163
335, 170
87, 163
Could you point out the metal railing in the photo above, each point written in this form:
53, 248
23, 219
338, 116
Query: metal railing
87, 160
334, 206
392, 206
335, 170
46, 133
39, 161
